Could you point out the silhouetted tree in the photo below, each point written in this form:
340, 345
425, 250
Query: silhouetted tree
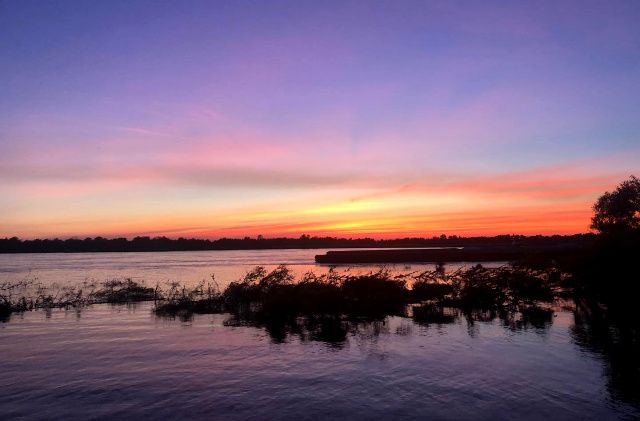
618, 211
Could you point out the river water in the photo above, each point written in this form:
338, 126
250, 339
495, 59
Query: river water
188, 267
123, 362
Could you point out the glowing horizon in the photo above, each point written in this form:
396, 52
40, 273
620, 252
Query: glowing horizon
350, 120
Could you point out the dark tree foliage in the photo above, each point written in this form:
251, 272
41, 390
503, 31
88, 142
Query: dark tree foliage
607, 272
618, 211
137, 244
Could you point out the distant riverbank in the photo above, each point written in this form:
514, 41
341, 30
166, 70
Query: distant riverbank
155, 244
488, 253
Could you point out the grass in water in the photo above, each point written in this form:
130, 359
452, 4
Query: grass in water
276, 295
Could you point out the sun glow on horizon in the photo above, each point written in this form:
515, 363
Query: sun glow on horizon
477, 120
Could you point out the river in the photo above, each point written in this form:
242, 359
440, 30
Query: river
105, 361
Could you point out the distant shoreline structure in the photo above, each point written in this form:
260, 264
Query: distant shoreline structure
158, 244
484, 253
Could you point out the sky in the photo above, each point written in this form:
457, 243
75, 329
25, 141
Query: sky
371, 118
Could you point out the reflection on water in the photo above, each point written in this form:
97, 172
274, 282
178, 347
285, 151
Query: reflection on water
188, 268
617, 341
335, 330
562, 362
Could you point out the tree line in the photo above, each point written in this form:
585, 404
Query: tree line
144, 244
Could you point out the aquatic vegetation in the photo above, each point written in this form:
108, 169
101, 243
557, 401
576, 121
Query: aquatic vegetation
271, 295
5, 310
180, 300
428, 314
431, 286
504, 287
30, 294
274, 294
122, 291
375, 294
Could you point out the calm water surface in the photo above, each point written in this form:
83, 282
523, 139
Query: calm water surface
124, 362
109, 362
187, 267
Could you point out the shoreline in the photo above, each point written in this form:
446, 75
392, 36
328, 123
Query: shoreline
445, 254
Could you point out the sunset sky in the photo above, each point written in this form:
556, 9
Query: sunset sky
383, 119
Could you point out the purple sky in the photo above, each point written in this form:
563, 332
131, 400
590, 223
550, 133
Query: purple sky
349, 118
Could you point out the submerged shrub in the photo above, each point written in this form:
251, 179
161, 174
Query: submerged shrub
432, 285
32, 295
479, 288
122, 291
432, 314
274, 294
5, 310
375, 293
178, 299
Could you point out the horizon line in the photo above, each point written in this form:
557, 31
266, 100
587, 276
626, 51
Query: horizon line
300, 237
